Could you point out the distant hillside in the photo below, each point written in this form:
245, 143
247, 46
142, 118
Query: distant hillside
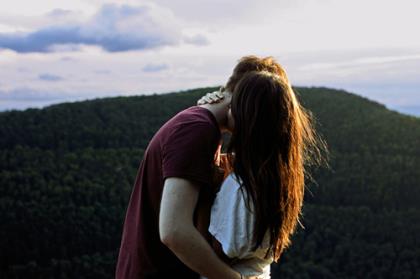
67, 172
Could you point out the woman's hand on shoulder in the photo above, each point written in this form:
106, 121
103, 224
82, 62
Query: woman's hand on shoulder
211, 98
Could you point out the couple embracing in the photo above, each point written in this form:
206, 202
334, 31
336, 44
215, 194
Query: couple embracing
194, 211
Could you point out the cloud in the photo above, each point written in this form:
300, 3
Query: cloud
49, 77
155, 67
222, 13
24, 97
27, 97
67, 58
26, 94
59, 13
115, 28
364, 61
197, 40
102, 72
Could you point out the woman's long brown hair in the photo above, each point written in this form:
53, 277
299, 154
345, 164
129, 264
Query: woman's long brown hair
272, 142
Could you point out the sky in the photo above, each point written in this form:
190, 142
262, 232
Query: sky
59, 51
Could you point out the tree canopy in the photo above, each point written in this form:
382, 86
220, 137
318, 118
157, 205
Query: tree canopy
67, 170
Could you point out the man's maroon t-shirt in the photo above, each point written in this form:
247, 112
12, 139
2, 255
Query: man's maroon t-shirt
184, 147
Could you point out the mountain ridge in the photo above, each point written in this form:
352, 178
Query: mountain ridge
66, 174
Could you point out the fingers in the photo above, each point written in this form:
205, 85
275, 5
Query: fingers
214, 97
211, 98
202, 101
218, 94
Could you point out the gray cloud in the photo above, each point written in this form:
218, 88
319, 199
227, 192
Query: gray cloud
102, 72
25, 97
23, 70
67, 58
221, 14
49, 77
59, 13
197, 40
26, 94
155, 67
114, 28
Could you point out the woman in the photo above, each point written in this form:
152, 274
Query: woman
259, 204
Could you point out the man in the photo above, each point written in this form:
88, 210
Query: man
160, 237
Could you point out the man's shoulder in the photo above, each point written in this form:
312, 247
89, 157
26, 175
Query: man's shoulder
193, 118
195, 114
189, 123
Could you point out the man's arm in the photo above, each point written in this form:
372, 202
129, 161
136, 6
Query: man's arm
177, 231
217, 247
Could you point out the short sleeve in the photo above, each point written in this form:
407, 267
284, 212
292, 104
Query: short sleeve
188, 152
231, 222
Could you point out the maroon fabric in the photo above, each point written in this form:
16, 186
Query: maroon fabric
183, 147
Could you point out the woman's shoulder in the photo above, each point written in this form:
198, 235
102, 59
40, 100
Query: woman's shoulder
231, 183
231, 189
228, 192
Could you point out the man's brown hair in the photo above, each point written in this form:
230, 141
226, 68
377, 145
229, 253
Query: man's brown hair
253, 63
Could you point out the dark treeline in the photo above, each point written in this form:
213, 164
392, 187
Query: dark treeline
66, 173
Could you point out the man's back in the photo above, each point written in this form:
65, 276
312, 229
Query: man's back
184, 147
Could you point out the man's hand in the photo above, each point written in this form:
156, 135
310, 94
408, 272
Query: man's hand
211, 98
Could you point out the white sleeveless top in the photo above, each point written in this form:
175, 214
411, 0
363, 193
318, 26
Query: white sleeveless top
232, 224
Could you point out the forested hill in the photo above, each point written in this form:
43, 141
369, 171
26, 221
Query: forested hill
66, 173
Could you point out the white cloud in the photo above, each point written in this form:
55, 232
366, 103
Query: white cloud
369, 47
26, 97
152, 67
49, 77
35, 8
113, 27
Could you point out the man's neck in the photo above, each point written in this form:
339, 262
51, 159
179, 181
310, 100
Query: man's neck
219, 110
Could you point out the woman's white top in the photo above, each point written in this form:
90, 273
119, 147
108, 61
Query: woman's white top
232, 224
